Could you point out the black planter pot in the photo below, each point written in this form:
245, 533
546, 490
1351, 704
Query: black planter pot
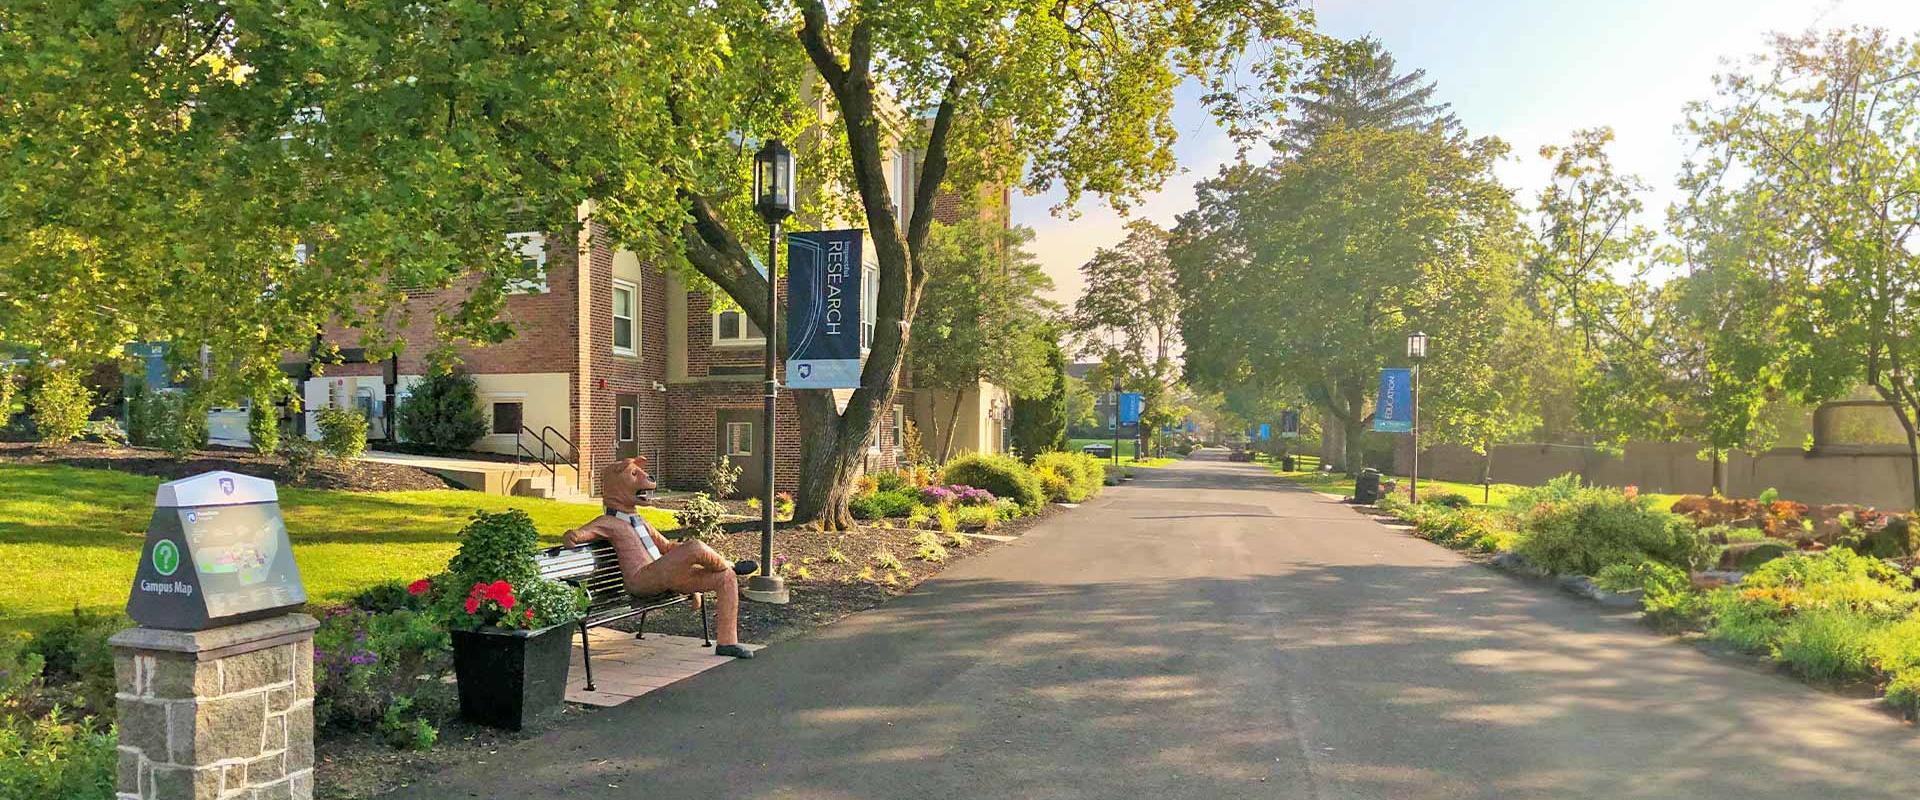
508, 679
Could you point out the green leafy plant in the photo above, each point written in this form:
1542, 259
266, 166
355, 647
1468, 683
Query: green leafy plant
834, 556
985, 517
1002, 475
949, 521
700, 517
77, 663
723, 477
343, 432
1587, 530
885, 559
61, 404
298, 456
1448, 500
1667, 597
1826, 644
492, 581
381, 670
1081, 476
879, 504
443, 410
263, 426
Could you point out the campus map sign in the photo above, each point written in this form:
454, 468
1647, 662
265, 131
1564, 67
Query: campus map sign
823, 318
216, 553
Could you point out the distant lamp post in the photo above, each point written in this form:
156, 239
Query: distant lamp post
773, 198
1416, 352
1116, 422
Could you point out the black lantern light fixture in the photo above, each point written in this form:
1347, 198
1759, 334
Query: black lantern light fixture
773, 198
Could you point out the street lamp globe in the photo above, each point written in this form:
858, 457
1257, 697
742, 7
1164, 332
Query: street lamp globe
773, 181
1417, 346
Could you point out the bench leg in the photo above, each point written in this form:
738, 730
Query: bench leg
642, 634
706, 638
586, 655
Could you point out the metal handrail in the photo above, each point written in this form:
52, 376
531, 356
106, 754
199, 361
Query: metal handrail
573, 454
553, 475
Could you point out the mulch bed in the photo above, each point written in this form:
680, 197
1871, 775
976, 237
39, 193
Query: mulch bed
834, 590
350, 767
353, 476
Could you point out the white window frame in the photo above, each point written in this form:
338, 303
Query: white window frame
625, 414
899, 426
633, 321
743, 340
748, 440
869, 302
530, 245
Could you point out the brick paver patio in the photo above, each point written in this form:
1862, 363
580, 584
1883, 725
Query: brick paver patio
625, 668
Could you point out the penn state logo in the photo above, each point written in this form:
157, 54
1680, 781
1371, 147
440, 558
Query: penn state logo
226, 486
806, 370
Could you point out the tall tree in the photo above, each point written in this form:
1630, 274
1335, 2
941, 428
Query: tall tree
1040, 422
1128, 317
1357, 86
1824, 133
983, 318
1341, 251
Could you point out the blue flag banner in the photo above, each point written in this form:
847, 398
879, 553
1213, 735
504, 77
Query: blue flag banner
823, 309
1393, 409
1130, 404
1192, 427
1266, 431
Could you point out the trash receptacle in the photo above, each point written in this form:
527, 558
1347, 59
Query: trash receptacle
1286, 463
1366, 488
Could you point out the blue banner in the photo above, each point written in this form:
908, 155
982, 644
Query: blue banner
1266, 431
1393, 408
1192, 427
823, 309
1130, 405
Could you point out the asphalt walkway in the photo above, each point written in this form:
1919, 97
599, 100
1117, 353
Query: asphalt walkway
1208, 632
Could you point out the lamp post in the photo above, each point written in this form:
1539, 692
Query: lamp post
773, 198
1116, 422
1416, 352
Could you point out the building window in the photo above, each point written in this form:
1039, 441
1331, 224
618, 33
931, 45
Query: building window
532, 248
732, 327
869, 303
899, 426
739, 438
506, 418
626, 423
626, 325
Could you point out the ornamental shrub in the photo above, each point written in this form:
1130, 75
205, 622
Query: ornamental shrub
1083, 474
880, 505
263, 426
723, 477
77, 663
1002, 475
61, 404
1826, 644
343, 432
1587, 530
1448, 500
366, 664
443, 411
1469, 529
492, 582
700, 518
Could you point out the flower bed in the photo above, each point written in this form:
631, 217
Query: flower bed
1817, 600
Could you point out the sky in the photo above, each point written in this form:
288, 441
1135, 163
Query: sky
1528, 71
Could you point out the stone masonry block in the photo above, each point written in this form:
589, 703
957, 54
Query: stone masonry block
267, 768
186, 783
176, 678
300, 737
256, 669
235, 780
303, 668
301, 784
279, 699
282, 790
275, 737
126, 673
221, 728
127, 776
143, 726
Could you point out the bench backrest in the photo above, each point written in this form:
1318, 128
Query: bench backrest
593, 567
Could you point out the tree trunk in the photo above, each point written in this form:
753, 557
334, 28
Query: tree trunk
1355, 424
1904, 412
1719, 487
953, 424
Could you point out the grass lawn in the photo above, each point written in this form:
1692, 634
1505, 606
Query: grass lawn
1127, 458
71, 536
1339, 483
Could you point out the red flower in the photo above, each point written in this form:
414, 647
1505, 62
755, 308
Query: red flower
419, 587
529, 615
501, 592
473, 604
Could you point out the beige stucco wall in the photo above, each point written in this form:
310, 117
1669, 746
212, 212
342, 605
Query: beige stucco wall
979, 426
544, 397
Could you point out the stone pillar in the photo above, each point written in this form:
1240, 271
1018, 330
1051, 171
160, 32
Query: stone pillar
219, 714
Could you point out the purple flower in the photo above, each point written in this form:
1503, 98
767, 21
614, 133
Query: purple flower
319, 655
363, 657
974, 497
937, 495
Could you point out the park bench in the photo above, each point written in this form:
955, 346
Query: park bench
596, 570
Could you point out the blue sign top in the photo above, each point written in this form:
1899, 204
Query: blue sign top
1130, 405
1393, 408
1266, 431
823, 302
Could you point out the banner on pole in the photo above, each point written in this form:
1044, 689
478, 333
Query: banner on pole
1130, 405
823, 309
1289, 424
1393, 408
1266, 431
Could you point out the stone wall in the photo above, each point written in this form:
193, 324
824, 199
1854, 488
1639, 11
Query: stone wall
223, 714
